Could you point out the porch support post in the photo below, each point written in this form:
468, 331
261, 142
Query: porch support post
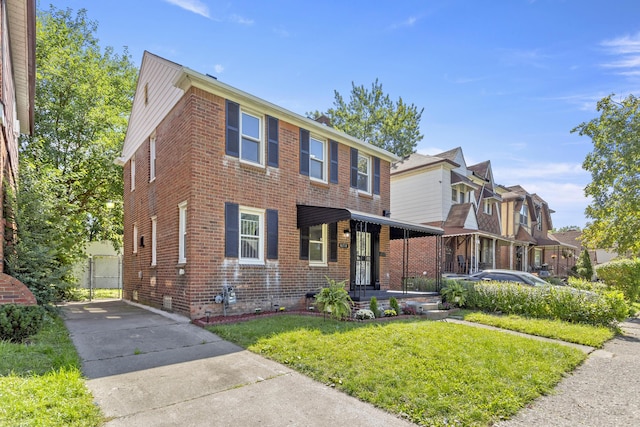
511, 256
493, 253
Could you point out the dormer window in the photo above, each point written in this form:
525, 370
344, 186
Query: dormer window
524, 214
488, 207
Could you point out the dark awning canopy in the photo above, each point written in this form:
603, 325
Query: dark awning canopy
309, 216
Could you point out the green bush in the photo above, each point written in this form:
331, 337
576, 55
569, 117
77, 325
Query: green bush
335, 300
622, 275
552, 302
584, 268
587, 285
18, 322
393, 303
373, 306
454, 293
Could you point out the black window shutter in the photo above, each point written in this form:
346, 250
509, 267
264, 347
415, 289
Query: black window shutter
354, 167
304, 152
232, 230
376, 175
233, 129
333, 166
304, 242
272, 234
272, 146
333, 242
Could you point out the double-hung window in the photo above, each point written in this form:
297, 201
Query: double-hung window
251, 138
317, 156
152, 158
251, 236
133, 173
182, 231
317, 244
488, 207
364, 173
524, 214
135, 238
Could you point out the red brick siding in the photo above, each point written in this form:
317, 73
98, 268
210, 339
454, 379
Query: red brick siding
422, 259
13, 291
192, 166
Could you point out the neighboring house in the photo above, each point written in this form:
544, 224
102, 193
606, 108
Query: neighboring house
574, 237
486, 225
231, 198
17, 90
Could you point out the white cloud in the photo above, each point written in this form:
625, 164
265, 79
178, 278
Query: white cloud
218, 68
409, 22
531, 57
195, 6
240, 20
627, 48
281, 32
567, 200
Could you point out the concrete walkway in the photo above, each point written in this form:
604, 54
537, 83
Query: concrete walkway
147, 368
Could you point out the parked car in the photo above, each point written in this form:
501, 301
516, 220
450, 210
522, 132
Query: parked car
508, 276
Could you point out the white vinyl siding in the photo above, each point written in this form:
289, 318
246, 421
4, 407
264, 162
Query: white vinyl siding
424, 196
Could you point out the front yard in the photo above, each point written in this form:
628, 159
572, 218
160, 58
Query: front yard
431, 373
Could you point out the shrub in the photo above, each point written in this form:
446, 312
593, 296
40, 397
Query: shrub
584, 269
622, 275
390, 313
335, 300
587, 285
17, 322
409, 310
373, 306
454, 293
393, 303
552, 302
422, 284
364, 314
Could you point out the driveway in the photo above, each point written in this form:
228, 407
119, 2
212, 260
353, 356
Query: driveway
150, 368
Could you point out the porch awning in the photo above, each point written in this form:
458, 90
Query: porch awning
309, 216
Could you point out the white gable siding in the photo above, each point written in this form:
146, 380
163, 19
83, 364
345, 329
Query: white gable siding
156, 83
471, 222
416, 196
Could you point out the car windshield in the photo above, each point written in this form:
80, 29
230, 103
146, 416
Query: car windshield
535, 279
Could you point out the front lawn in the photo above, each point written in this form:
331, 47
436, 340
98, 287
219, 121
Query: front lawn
432, 373
41, 383
594, 336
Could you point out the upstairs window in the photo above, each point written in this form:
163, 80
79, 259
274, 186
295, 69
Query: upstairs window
488, 207
317, 164
244, 136
454, 195
152, 158
364, 173
251, 137
524, 214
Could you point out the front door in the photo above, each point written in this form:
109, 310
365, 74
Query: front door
364, 255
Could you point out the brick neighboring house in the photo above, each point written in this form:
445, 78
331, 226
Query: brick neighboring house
226, 190
17, 91
485, 224
574, 238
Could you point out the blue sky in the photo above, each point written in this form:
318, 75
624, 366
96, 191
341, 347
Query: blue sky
506, 80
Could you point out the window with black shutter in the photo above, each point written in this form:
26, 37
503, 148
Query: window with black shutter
304, 152
233, 129
354, 168
376, 175
232, 231
304, 243
333, 165
272, 234
272, 143
333, 242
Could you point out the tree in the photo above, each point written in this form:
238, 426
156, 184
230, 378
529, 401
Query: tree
614, 165
566, 228
83, 99
372, 116
584, 268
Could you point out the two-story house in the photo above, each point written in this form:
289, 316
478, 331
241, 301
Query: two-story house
233, 203
486, 225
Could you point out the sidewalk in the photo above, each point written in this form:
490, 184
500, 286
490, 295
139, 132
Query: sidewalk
149, 369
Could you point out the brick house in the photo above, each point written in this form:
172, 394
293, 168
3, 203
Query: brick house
484, 224
225, 191
17, 91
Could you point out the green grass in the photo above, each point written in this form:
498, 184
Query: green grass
594, 336
82, 294
432, 373
41, 383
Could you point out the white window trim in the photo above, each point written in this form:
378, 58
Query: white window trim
135, 238
261, 236
454, 198
182, 232
369, 174
154, 241
488, 207
260, 140
324, 159
324, 241
132, 164
152, 159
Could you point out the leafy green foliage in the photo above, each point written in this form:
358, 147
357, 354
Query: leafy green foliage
432, 373
594, 336
371, 115
335, 300
373, 306
584, 268
623, 275
552, 302
393, 303
364, 314
454, 293
18, 322
614, 165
